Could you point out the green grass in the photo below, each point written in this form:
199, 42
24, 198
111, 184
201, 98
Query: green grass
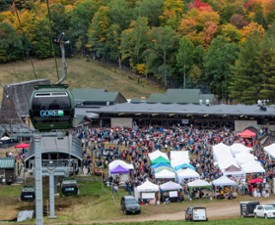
96, 204
81, 74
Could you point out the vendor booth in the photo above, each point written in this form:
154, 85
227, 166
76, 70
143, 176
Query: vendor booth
171, 191
147, 192
196, 188
226, 184
224, 181
121, 169
186, 174
165, 174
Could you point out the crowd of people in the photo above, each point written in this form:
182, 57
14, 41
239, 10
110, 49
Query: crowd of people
103, 145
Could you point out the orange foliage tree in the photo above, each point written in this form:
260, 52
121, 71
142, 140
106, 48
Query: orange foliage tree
199, 25
250, 29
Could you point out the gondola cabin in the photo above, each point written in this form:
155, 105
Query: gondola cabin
69, 187
51, 107
27, 194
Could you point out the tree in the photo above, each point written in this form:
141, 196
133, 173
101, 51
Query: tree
150, 9
134, 41
4, 5
79, 19
244, 85
238, 20
98, 32
250, 29
162, 52
11, 46
199, 25
218, 60
265, 59
185, 57
172, 11
113, 43
231, 33
121, 13
41, 41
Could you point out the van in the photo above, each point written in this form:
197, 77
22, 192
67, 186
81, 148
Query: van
196, 214
129, 205
247, 208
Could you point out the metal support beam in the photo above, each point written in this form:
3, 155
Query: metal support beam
55, 184
38, 180
51, 193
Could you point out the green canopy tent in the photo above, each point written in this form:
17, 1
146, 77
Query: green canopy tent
163, 168
160, 159
198, 184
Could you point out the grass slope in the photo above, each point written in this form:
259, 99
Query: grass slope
81, 74
97, 205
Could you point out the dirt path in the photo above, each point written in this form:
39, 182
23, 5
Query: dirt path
219, 210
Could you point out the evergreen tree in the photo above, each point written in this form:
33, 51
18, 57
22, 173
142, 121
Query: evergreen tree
217, 62
245, 83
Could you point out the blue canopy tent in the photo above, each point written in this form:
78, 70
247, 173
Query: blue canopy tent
184, 165
160, 164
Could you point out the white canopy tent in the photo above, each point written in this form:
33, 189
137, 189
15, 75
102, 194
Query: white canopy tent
179, 157
147, 190
244, 158
253, 167
224, 163
224, 181
239, 148
165, 174
170, 186
155, 154
186, 174
220, 146
234, 171
270, 150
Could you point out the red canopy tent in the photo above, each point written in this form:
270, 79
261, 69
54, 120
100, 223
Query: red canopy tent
255, 181
22, 145
247, 134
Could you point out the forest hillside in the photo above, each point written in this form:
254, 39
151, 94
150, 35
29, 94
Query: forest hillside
223, 47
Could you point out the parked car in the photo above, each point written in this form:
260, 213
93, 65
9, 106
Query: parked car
266, 211
129, 205
196, 214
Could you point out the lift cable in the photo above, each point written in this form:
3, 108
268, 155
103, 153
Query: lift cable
51, 35
25, 38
